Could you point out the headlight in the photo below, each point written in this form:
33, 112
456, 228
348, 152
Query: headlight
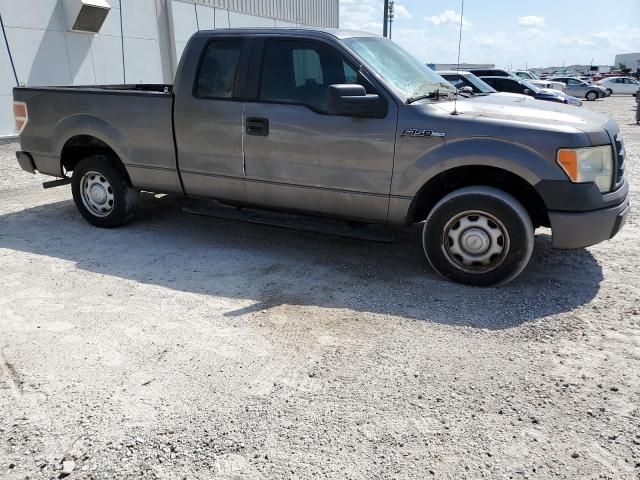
591, 164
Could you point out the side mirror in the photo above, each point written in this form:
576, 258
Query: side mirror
351, 100
528, 92
466, 89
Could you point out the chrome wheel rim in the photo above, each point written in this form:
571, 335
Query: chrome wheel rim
97, 194
475, 242
592, 96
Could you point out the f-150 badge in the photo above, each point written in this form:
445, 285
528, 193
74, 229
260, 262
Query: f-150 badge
418, 132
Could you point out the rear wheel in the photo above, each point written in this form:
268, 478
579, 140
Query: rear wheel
102, 192
592, 95
609, 92
478, 236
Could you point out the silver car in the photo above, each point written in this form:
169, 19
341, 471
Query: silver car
581, 89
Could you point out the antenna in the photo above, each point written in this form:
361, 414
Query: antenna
455, 102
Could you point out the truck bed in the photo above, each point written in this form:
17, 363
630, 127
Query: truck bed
134, 120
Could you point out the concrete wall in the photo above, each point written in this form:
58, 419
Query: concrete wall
141, 41
188, 17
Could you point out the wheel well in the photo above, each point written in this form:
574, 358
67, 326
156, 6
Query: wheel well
83, 146
446, 182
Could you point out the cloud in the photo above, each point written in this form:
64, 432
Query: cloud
361, 15
531, 21
535, 46
367, 15
448, 17
401, 12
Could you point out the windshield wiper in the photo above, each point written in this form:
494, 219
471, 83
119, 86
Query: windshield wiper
435, 94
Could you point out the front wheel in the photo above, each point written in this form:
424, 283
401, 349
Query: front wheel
609, 92
102, 192
478, 236
592, 96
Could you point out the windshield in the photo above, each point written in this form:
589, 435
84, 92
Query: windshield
403, 72
467, 80
527, 75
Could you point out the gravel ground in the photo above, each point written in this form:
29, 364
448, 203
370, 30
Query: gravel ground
188, 347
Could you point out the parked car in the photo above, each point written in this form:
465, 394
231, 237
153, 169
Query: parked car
461, 79
491, 72
533, 78
341, 124
581, 89
619, 85
516, 85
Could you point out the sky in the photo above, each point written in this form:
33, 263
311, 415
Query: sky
509, 33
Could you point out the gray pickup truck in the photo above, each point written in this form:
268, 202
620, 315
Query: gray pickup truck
339, 124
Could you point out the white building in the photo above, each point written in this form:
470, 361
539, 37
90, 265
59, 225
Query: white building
631, 60
46, 42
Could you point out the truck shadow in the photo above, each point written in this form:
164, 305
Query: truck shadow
270, 267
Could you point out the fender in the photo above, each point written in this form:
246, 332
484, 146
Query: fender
87, 124
519, 159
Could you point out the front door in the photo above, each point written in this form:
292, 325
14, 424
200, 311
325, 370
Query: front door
297, 156
629, 86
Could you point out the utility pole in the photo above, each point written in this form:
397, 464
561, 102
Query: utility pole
385, 22
391, 16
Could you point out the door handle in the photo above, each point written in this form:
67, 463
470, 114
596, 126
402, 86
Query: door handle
257, 126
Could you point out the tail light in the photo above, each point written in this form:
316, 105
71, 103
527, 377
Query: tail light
21, 115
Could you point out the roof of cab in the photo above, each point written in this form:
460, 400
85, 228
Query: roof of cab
321, 32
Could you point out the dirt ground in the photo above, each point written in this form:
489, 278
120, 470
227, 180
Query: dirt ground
189, 347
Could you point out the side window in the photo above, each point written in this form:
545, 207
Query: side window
490, 81
572, 81
300, 72
217, 73
350, 75
509, 86
306, 67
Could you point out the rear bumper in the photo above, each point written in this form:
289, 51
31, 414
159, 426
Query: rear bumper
44, 164
582, 229
25, 160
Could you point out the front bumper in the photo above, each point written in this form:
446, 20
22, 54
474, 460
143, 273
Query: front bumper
582, 229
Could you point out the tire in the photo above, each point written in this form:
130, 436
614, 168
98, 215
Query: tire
609, 92
480, 217
102, 192
591, 95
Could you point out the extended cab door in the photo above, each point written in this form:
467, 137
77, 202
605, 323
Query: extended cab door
297, 156
208, 117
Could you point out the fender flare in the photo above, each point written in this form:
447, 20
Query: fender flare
87, 124
518, 159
